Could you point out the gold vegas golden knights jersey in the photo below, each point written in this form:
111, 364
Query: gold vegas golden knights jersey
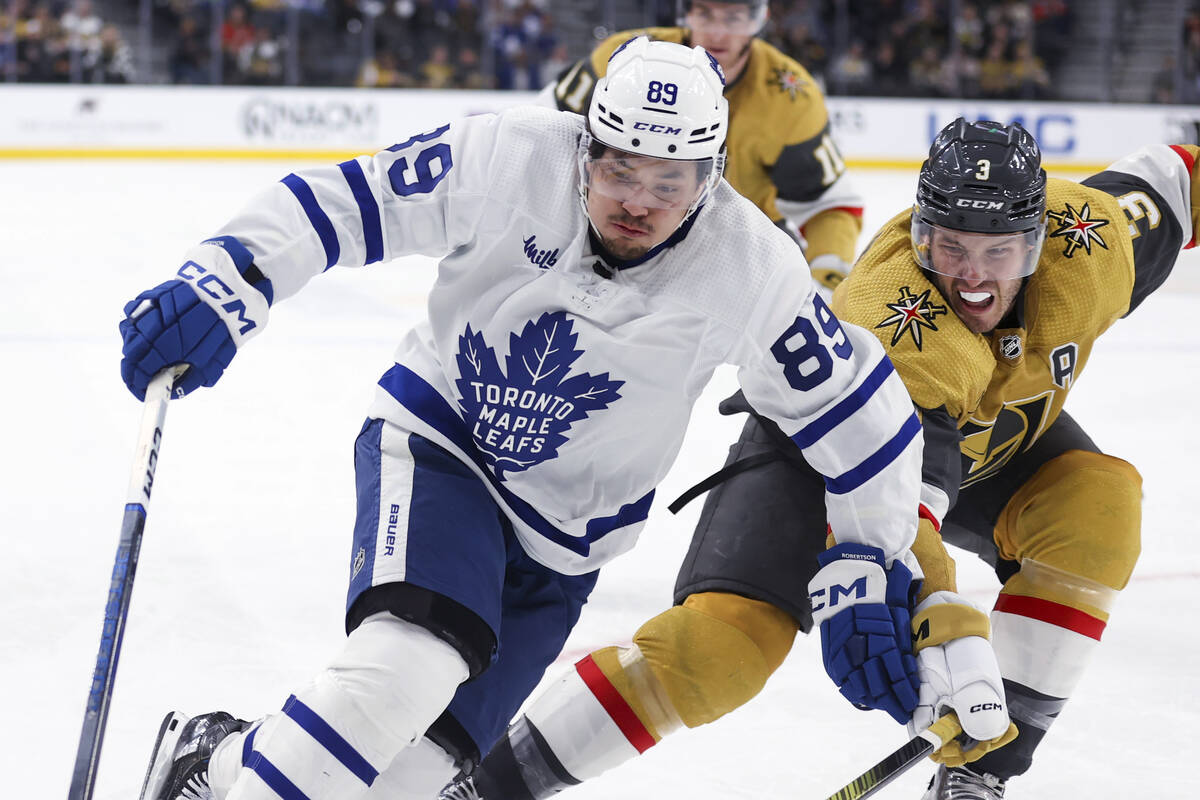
1110, 241
781, 155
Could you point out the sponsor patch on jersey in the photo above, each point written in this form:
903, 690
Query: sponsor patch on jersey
544, 258
911, 313
520, 414
788, 81
1078, 228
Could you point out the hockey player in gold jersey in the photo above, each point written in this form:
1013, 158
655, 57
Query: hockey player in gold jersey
781, 154
988, 296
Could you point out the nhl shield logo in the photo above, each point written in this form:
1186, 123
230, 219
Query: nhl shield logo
1010, 347
360, 560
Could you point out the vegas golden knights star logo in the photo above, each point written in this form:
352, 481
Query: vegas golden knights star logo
988, 446
910, 314
1078, 228
788, 81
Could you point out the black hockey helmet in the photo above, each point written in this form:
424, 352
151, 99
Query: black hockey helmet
982, 178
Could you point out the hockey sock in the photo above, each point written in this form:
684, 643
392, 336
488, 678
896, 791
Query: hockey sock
1045, 628
418, 773
600, 714
332, 738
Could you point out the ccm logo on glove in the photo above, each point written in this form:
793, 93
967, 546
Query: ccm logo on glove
986, 707
217, 289
855, 591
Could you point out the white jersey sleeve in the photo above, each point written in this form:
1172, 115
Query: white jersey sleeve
831, 388
408, 199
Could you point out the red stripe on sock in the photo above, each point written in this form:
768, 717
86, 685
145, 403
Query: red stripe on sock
595, 679
1191, 164
1054, 613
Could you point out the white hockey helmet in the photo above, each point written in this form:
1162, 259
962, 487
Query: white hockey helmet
661, 99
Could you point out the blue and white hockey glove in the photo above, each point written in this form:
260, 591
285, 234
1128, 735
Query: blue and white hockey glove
218, 301
169, 325
862, 608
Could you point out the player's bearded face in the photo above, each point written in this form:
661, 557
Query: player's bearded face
725, 30
635, 203
979, 274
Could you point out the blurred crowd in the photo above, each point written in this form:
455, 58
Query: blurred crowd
993, 49
392, 43
438, 44
1181, 81
1003, 49
60, 42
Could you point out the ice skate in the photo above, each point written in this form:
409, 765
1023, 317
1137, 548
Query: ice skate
462, 788
961, 783
179, 765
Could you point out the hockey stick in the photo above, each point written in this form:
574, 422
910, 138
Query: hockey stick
898, 762
87, 758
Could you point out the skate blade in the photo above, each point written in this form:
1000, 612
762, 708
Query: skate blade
164, 754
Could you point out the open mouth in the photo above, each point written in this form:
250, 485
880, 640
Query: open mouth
976, 301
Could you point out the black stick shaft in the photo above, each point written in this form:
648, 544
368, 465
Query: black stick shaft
898, 762
120, 588
885, 771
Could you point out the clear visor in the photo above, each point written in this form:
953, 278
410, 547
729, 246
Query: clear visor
733, 18
649, 182
976, 257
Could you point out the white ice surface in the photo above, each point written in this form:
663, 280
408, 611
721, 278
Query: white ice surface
240, 588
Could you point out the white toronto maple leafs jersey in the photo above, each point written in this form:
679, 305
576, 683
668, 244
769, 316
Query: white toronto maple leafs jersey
568, 393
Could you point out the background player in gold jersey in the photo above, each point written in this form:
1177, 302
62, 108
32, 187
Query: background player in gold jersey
780, 153
988, 296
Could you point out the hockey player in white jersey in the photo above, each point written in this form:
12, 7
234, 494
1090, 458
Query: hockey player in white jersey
593, 274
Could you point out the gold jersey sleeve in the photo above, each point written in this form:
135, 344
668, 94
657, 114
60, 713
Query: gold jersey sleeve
1004, 388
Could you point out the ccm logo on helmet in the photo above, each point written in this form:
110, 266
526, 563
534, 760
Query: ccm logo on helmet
656, 128
988, 205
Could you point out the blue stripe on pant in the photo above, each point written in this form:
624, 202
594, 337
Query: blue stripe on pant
446, 534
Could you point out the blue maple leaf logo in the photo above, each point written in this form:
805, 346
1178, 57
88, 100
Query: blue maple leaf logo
520, 416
